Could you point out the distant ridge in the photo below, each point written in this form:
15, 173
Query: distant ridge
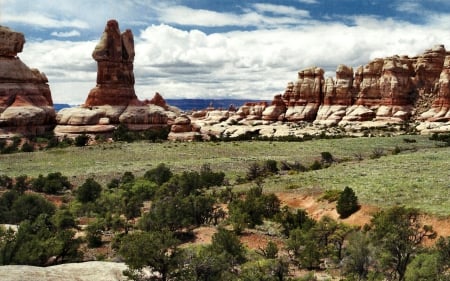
199, 104
59, 106
190, 104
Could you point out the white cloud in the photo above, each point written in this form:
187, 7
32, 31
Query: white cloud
253, 64
72, 33
257, 17
308, 1
280, 10
40, 20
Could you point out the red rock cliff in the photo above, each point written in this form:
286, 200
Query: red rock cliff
26, 105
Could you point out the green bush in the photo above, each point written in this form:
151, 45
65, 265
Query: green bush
82, 140
159, 175
347, 203
89, 191
27, 147
327, 158
331, 195
53, 183
271, 166
316, 165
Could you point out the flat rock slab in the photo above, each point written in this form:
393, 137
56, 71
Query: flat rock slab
86, 271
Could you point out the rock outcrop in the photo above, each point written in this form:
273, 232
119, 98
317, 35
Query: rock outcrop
86, 271
182, 129
304, 100
113, 101
386, 90
383, 94
26, 106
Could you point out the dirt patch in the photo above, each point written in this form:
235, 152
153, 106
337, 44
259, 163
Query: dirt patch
203, 235
317, 209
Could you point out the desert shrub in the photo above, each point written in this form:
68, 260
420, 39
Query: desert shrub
271, 166
327, 158
210, 178
347, 203
6, 182
159, 175
407, 140
157, 134
94, 234
122, 133
295, 166
82, 140
89, 191
254, 208
53, 183
331, 195
21, 183
254, 171
445, 138
377, 153
396, 150
27, 147
316, 165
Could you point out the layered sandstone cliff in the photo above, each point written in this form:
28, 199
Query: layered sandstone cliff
26, 106
392, 89
385, 92
113, 101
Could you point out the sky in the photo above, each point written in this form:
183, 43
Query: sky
212, 49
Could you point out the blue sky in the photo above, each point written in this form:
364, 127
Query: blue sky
220, 48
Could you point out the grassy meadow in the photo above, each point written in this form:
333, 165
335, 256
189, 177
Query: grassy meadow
418, 176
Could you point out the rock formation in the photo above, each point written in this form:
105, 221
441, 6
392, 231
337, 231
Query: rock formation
304, 99
182, 129
388, 90
440, 109
84, 271
113, 101
384, 92
26, 106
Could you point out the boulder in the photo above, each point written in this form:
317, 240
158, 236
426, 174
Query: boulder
86, 271
26, 106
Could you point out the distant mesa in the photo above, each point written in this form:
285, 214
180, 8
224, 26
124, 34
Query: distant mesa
26, 106
113, 100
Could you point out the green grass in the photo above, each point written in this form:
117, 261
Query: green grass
420, 180
418, 176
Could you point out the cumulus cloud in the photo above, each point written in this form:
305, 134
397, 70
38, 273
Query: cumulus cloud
40, 20
247, 63
259, 63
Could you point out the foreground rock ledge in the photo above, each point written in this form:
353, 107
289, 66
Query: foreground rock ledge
86, 271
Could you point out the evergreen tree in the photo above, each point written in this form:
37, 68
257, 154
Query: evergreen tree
347, 203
